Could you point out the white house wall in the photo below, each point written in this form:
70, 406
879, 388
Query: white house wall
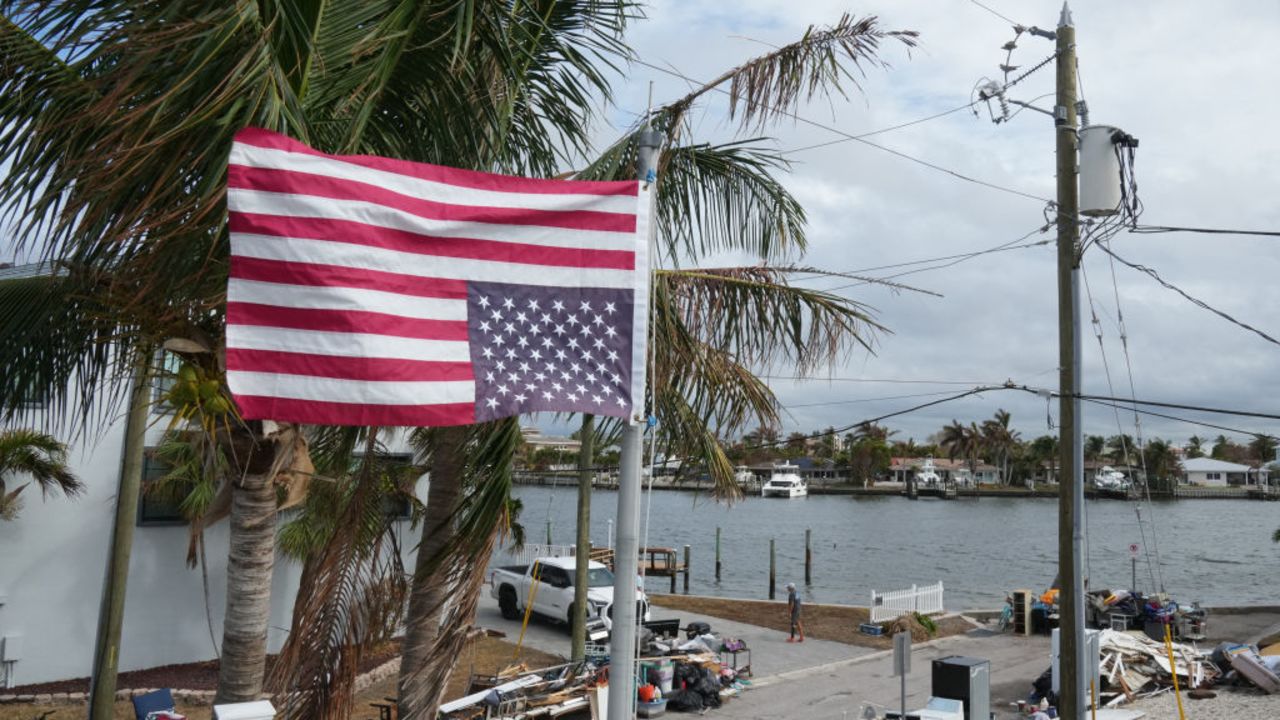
52, 565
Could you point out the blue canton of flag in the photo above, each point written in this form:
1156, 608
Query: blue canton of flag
553, 349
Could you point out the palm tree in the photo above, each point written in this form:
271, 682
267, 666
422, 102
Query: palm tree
1095, 447
964, 441
159, 91
1263, 449
998, 437
1161, 463
36, 455
1195, 447
1045, 449
1222, 448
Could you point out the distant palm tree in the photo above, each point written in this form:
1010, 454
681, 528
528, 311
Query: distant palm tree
1120, 448
1045, 449
998, 437
1195, 446
1095, 446
1263, 448
964, 441
38, 456
1162, 463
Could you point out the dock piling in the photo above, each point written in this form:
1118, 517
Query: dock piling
773, 574
808, 557
717, 553
686, 569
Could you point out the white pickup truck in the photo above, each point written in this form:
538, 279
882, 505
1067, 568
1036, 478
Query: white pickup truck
554, 596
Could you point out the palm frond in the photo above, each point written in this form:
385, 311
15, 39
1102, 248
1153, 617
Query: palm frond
39, 456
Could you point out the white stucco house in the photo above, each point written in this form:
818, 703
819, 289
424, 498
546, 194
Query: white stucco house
1220, 473
52, 566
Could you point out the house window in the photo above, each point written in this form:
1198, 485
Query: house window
396, 506
1213, 476
156, 508
166, 374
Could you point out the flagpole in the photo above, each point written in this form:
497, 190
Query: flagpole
622, 642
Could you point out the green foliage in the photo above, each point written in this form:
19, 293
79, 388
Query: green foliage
36, 455
927, 623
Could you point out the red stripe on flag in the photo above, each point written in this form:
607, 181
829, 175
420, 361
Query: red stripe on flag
348, 231
319, 412
452, 176
344, 321
314, 274
347, 368
299, 183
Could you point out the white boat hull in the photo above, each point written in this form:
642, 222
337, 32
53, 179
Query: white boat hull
784, 492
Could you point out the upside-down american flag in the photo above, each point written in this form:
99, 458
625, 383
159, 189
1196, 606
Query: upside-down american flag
371, 291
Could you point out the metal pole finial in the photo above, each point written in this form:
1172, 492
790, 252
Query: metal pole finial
1064, 20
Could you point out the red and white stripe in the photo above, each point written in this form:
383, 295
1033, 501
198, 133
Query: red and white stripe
346, 303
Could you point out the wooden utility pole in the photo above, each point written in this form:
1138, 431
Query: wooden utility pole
578, 644
1071, 703
106, 655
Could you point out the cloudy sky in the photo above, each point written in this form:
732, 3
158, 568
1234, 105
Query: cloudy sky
1196, 86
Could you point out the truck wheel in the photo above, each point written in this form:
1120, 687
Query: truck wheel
507, 603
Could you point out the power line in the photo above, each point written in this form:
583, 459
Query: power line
888, 381
1195, 301
866, 400
855, 138
1176, 418
993, 12
1152, 229
891, 128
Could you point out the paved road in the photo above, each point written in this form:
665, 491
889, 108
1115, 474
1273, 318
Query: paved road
770, 652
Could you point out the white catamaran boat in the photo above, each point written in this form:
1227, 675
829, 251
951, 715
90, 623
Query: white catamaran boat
784, 482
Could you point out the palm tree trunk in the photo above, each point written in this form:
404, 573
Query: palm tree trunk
252, 556
418, 694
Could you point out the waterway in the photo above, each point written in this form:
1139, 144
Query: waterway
1218, 552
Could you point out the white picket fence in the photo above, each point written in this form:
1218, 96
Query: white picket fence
532, 551
889, 605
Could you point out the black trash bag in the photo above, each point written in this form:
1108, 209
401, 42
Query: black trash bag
696, 628
1042, 687
684, 701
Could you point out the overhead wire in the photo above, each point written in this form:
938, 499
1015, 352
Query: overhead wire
997, 14
1152, 229
855, 138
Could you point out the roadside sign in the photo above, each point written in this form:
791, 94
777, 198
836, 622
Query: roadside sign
1133, 550
902, 653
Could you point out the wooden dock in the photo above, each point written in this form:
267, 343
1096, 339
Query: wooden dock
653, 562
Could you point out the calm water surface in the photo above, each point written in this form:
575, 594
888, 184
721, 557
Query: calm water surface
1216, 551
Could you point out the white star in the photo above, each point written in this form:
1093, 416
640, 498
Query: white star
488, 353
557, 386
610, 331
565, 376
530, 387
599, 344
502, 389
501, 365
559, 330
495, 315
613, 354
546, 343
557, 306
551, 368
546, 319
533, 306
573, 320
602, 368
524, 367
540, 377
485, 327
497, 340
585, 329
609, 308
614, 377
535, 354
523, 342
585, 306
620, 401
591, 378
521, 317
509, 328
573, 343
546, 395
521, 398
488, 377
491, 403
506, 303
576, 368
597, 320
581, 389
511, 353
513, 378
573, 397
534, 329
586, 358
597, 399
560, 354
483, 301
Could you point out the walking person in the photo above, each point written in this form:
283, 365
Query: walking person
793, 606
